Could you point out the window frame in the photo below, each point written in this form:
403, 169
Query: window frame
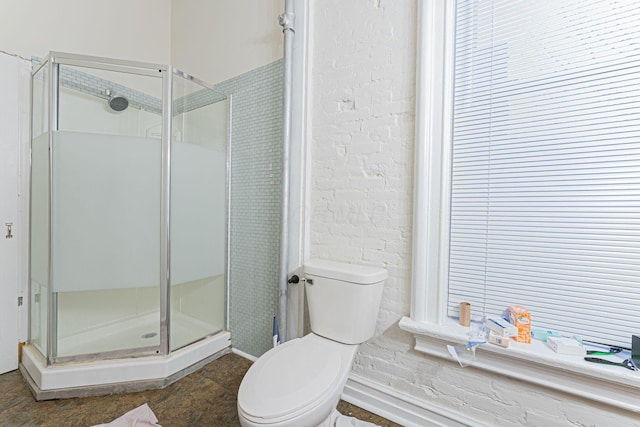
432, 161
428, 320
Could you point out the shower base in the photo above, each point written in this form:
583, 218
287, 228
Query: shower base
138, 332
81, 379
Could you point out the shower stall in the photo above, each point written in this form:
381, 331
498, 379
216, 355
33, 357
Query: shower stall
129, 206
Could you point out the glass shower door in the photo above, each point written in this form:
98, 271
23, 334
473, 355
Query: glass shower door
106, 212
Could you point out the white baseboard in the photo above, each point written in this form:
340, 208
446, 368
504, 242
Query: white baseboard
399, 407
243, 354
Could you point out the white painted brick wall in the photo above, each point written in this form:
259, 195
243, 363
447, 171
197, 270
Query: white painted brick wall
363, 60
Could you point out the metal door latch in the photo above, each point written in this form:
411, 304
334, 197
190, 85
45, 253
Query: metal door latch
9, 235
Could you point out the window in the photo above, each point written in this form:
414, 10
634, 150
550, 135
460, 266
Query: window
545, 180
545, 164
528, 155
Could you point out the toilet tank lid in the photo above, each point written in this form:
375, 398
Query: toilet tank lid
354, 273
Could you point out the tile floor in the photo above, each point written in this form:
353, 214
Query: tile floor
207, 397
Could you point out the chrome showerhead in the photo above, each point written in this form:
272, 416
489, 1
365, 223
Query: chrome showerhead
116, 102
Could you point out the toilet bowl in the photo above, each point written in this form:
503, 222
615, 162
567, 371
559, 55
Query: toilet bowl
299, 383
296, 384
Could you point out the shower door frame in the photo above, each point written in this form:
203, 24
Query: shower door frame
53, 61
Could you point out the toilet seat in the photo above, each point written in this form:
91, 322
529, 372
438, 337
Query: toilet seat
294, 378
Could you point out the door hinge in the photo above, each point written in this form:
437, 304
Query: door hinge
19, 301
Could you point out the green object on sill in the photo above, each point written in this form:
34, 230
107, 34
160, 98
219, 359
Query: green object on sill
543, 334
612, 350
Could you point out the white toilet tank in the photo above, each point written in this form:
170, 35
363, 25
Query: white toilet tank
343, 299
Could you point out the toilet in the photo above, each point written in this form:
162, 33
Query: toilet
299, 383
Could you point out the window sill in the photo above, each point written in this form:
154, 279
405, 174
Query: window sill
535, 363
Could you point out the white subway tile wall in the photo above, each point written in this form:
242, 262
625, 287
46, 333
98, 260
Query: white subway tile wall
256, 180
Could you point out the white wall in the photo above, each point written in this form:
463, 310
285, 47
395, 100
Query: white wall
362, 127
216, 40
134, 30
212, 40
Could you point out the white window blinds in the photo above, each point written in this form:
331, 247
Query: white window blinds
545, 190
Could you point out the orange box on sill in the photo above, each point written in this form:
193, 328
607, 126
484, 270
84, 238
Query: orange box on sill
521, 319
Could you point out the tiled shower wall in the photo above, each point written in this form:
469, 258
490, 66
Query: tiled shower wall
256, 180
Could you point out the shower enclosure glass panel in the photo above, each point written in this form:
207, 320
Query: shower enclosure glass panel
128, 224
39, 220
198, 211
